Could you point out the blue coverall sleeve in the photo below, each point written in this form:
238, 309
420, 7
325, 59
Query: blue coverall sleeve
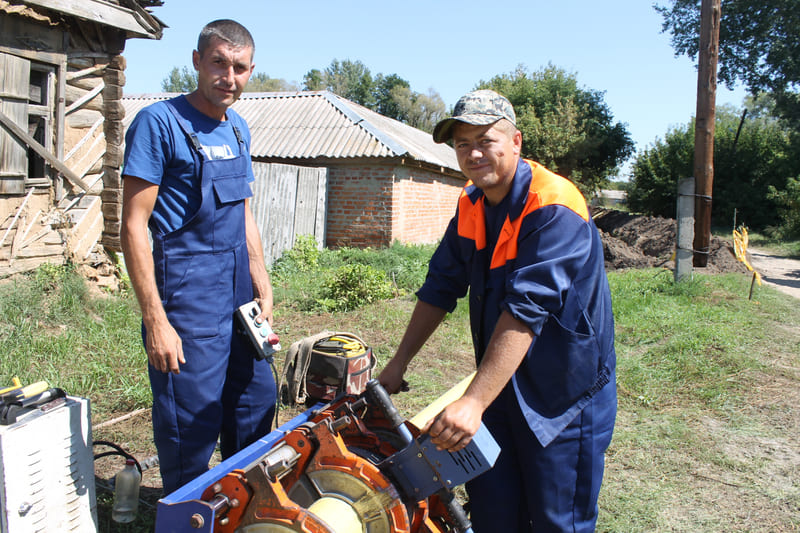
448, 275
554, 244
148, 143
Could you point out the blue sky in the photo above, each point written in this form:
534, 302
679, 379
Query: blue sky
615, 46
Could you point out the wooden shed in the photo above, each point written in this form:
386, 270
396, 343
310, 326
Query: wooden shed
61, 133
329, 167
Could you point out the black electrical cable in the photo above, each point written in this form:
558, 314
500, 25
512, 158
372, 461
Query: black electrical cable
118, 450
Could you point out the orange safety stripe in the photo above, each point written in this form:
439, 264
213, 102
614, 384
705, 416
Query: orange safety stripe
547, 188
472, 219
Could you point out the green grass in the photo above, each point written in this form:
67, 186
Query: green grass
787, 249
52, 329
706, 436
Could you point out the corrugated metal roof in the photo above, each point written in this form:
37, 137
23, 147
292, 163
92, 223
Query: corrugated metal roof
320, 124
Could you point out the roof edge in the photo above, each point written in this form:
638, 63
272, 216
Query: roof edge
107, 14
363, 122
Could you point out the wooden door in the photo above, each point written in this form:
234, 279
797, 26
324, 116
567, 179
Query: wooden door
14, 81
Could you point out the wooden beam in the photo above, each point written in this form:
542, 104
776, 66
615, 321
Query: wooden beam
42, 151
101, 12
704, 128
60, 117
85, 72
52, 58
85, 98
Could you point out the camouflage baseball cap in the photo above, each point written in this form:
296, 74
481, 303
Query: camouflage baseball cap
477, 108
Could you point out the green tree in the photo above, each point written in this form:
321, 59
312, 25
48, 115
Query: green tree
788, 201
759, 43
567, 128
180, 81
314, 80
185, 81
262, 83
389, 95
419, 110
349, 79
751, 158
658, 169
385, 103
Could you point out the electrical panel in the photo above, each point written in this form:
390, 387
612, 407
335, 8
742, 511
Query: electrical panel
47, 470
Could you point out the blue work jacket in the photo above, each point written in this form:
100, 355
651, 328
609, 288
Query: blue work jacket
537, 255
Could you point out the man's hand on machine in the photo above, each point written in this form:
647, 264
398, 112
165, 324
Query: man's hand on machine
454, 427
391, 377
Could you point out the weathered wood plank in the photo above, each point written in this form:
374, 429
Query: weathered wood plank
85, 72
26, 265
42, 151
14, 103
85, 118
86, 100
97, 10
321, 222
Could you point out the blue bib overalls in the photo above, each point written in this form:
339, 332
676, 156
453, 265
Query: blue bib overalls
203, 274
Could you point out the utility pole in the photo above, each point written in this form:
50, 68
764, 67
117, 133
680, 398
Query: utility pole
704, 128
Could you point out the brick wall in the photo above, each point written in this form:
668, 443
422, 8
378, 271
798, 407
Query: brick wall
374, 204
425, 201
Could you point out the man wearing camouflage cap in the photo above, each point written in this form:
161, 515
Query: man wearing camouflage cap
523, 245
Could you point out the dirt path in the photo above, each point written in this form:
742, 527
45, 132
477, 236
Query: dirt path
780, 272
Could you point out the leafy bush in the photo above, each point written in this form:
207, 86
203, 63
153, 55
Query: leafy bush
302, 257
309, 279
351, 286
788, 201
749, 157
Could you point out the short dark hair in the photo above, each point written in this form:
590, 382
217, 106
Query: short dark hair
227, 30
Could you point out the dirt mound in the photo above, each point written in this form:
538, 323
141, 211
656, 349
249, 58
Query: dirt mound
638, 241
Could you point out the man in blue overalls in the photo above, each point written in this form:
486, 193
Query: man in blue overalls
524, 246
187, 178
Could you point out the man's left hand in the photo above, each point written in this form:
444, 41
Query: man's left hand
266, 310
454, 427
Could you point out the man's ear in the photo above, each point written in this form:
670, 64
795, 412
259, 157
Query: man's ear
517, 140
196, 59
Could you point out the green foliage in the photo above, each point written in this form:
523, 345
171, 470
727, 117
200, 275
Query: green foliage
302, 257
759, 43
52, 329
180, 81
749, 158
385, 101
309, 279
389, 94
422, 111
657, 171
185, 81
349, 79
666, 331
261, 83
788, 201
565, 127
352, 286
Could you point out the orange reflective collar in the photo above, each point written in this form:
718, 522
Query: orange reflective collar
545, 188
